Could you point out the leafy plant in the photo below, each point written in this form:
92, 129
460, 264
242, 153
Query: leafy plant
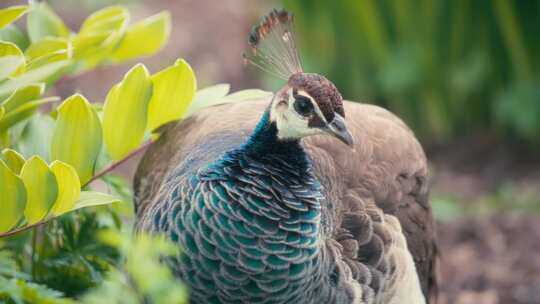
138, 276
130, 282
47, 159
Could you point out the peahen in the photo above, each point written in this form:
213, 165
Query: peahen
268, 207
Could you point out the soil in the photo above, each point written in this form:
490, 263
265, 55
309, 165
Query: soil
490, 260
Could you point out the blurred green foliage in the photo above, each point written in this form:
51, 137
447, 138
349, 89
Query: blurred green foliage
447, 67
85, 257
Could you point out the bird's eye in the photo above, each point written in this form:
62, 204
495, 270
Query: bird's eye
303, 105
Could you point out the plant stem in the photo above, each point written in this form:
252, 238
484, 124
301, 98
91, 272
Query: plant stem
34, 248
113, 166
24, 228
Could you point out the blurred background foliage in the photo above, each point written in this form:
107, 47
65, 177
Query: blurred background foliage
446, 67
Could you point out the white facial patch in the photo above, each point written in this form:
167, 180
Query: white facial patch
290, 124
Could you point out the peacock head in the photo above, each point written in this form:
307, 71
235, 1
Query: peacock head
308, 104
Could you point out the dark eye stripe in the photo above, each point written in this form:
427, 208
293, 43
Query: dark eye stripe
303, 105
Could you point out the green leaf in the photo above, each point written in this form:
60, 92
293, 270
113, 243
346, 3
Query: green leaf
144, 38
4, 139
41, 74
13, 160
125, 112
69, 187
10, 14
11, 49
43, 22
86, 45
48, 50
174, 88
208, 96
8, 65
100, 34
2, 111
41, 187
12, 198
105, 20
46, 46
36, 137
11, 33
77, 136
57, 56
92, 198
23, 112
23, 95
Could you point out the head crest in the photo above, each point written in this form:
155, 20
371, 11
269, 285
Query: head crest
273, 46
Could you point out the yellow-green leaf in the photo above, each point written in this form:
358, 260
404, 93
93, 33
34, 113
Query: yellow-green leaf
23, 112
41, 74
12, 198
36, 137
8, 65
41, 188
2, 111
105, 20
77, 136
11, 49
125, 112
57, 56
43, 22
208, 96
13, 160
85, 45
92, 198
10, 14
99, 35
23, 95
174, 88
144, 38
13, 34
48, 50
46, 46
69, 187
4, 139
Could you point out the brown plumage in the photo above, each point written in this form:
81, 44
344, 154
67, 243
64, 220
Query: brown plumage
380, 189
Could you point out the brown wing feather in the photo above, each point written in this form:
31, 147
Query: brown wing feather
386, 174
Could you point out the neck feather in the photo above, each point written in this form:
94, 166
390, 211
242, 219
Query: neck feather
264, 140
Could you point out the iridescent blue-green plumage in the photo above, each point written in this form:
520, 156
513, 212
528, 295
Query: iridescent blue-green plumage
248, 224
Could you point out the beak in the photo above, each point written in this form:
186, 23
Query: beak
338, 129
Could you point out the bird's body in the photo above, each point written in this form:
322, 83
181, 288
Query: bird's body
268, 210
348, 236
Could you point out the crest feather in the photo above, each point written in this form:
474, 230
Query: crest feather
273, 46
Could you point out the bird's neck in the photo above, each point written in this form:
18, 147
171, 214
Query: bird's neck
264, 141
266, 204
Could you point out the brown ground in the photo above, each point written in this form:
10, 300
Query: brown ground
490, 260
490, 256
